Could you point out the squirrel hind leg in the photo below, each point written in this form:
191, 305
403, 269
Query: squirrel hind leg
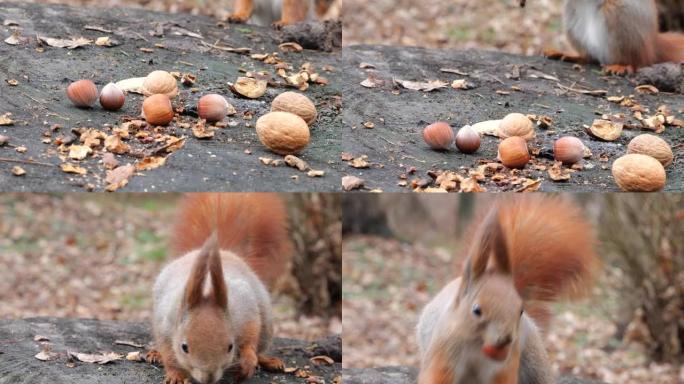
271, 364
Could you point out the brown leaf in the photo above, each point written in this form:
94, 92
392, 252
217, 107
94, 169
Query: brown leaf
118, 178
350, 183
70, 168
425, 86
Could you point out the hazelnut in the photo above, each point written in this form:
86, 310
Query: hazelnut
160, 82
653, 146
467, 140
568, 150
112, 97
639, 173
157, 110
82, 93
295, 103
283, 132
438, 135
516, 124
213, 108
513, 152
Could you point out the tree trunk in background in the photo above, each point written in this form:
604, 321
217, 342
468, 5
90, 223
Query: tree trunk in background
364, 214
671, 15
316, 226
642, 236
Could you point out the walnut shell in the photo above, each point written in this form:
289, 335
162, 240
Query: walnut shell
516, 124
653, 146
160, 82
283, 132
296, 103
639, 173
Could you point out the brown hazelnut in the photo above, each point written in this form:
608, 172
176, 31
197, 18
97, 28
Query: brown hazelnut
639, 173
467, 140
82, 93
213, 108
112, 98
513, 152
438, 135
568, 150
157, 110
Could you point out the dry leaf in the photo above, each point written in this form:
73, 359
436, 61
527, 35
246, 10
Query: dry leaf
15, 39
350, 183
46, 355
296, 162
249, 87
426, 86
103, 358
18, 171
65, 43
149, 163
290, 47
605, 130
114, 144
5, 119
201, 131
79, 152
557, 173
70, 168
118, 178
322, 359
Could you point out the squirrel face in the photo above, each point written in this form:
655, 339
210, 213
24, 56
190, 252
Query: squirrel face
204, 344
494, 310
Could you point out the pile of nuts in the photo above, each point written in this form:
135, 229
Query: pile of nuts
159, 88
642, 169
285, 130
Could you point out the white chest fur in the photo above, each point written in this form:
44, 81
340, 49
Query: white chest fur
586, 24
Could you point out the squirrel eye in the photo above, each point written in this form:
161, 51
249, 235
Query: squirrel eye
184, 347
230, 348
477, 311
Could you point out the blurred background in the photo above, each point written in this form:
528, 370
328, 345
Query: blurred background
96, 256
216, 8
463, 24
399, 250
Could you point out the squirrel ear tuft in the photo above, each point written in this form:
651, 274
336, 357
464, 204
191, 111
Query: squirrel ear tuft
491, 241
195, 286
219, 291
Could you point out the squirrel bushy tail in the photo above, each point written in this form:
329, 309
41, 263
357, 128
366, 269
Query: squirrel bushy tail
252, 225
671, 47
550, 244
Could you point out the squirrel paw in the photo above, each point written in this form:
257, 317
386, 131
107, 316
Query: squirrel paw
618, 69
176, 377
237, 18
153, 357
271, 364
247, 368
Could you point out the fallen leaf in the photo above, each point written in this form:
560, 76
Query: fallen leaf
149, 163
557, 173
118, 177
605, 130
250, 87
79, 152
15, 39
201, 131
46, 355
12, 82
426, 86
322, 359
114, 144
65, 43
18, 171
128, 343
70, 168
290, 47
350, 183
103, 358
5, 119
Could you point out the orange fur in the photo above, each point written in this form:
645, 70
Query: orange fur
439, 371
550, 246
249, 338
253, 225
671, 47
294, 11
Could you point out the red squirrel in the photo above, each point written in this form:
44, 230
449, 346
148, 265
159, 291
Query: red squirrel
622, 35
211, 304
484, 327
279, 12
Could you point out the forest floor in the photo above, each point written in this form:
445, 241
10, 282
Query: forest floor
97, 257
387, 283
